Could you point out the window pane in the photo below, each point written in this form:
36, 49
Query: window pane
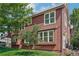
46, 36
47, 21
40, 40
52, 14
40, 36
46, 16
50, 33
46, 39
45, 33
51, 20
50, 38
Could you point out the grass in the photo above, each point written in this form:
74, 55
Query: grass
24, 52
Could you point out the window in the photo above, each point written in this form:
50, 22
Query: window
40, 36
49, 18
51, 35
52, 17
46, 36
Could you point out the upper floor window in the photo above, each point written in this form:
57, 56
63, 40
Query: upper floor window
49, 18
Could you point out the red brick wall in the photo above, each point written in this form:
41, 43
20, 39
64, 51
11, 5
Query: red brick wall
39, 19
57, 27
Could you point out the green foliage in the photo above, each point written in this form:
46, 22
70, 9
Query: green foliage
32, 36
35, 33
27, 37
14, 16
74, 18
75, 40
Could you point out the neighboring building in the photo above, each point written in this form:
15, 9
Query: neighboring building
54, 28
4, 40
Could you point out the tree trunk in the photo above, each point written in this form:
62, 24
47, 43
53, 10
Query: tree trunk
33, 47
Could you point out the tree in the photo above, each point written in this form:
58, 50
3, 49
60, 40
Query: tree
27, 37
31, 37
75, 41
14, 17
74, 18
35, 35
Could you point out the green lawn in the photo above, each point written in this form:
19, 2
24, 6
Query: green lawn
24, 52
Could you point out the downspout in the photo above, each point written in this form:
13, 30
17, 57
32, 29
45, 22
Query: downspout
61, 32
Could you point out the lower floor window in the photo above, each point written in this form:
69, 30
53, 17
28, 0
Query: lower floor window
46, 36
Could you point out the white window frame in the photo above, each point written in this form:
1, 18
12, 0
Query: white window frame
47, 34
49, 18
53, 34
39, 35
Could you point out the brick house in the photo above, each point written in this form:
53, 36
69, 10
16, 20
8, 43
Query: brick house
54, 28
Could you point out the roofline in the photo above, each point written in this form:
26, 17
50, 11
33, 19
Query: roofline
42, 12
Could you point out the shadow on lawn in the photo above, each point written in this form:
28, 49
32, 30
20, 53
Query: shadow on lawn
26, 53
2, 50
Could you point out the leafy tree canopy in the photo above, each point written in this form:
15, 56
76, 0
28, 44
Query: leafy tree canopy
14, 16
74, 18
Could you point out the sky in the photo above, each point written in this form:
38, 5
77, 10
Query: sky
71, 6
37, 7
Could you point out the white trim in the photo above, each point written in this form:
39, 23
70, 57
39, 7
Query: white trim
47, 35
43, 36
55, 16
49, 17
44, 18
53, 34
